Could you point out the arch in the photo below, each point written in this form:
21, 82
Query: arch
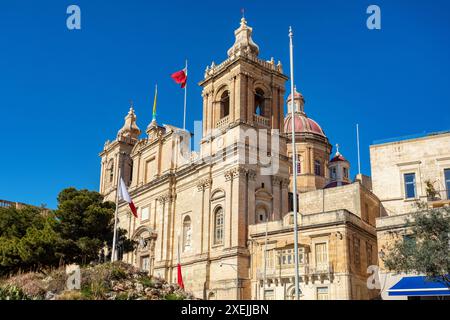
217, 194
225, 104
261, 213
187, 233
260, 103
218, 219
110, 169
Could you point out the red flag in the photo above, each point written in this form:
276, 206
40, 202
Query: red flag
180, 276
125, 196
180, 77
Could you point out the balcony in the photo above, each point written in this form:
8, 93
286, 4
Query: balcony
260, 120
222, 122
305, 270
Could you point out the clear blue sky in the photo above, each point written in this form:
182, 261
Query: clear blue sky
63, 93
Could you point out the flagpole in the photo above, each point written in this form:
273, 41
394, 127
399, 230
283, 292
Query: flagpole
154, 103
116, 213
294, 167
185, 96
357, 142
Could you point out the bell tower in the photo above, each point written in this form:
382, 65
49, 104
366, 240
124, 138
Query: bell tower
243, 90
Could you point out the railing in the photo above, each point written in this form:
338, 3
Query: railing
286, 271
222, 122
261, 120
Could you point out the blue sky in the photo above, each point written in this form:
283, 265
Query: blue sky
63, 93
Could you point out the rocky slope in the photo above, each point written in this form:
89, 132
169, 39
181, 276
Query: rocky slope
117, 281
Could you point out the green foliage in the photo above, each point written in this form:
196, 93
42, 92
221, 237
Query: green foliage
173, 296
31, 238
146, 281
12, 293
425, 249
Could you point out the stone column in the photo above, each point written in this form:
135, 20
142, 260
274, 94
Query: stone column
276, 194
205, 112
250, 99
204, 186
275, 112
228, 208
284, 196
238, 229
251, 196
232, 89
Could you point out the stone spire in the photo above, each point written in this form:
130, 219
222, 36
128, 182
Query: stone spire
130, 129
243, 43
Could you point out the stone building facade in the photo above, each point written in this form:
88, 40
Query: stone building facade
405, 171
211, 205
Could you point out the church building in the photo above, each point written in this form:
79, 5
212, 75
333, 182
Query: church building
227, 209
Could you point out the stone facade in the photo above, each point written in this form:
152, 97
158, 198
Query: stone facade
404, 172
336, 247
209, 206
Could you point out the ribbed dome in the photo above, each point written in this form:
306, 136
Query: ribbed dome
303, 124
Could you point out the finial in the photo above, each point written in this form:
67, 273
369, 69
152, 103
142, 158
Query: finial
131, 106
291, 34
337, 148
243, 13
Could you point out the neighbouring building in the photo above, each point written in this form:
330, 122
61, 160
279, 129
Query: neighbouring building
404, 171
214, 206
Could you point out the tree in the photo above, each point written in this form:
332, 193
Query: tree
87, 224
425, 247
31, 238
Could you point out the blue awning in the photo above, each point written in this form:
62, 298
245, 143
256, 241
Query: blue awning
419, 286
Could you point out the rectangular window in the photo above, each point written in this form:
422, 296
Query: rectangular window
145, 263
145, 213
317, 168
410, 185
447, 182
322, 293
150, 170
357, 252
321, 256
270, 259
369, 253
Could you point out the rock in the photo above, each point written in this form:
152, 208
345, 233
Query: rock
49, 295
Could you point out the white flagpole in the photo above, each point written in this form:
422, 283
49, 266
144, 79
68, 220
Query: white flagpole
116, 213
185, 96
294, 166
357, 142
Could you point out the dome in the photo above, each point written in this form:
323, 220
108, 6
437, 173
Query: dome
338, 157
303, 124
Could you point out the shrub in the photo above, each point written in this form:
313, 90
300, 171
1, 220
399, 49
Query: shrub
12, 293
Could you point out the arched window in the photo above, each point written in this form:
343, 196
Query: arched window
131, 170
218, 225
111, 171
187, 233
225, 104
317, 168
333, 173
259, 102
261, 214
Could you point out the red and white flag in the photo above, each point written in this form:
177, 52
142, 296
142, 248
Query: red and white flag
180, 77
179, 276
125, 196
